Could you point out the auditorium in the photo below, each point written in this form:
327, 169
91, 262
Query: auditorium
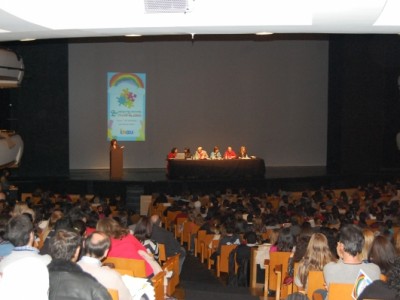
312, 95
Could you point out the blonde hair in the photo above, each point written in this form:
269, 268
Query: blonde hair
316, 257
369, 237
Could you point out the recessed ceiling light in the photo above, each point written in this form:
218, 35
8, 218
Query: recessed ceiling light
132, 35
3, 30
27, 40
264, 33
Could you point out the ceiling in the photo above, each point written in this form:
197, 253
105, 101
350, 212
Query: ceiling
49, 19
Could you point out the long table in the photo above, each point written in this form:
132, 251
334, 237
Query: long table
234, 168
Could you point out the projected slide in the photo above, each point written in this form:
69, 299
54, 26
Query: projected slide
126, 106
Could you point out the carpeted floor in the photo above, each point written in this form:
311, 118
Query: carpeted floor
200, 283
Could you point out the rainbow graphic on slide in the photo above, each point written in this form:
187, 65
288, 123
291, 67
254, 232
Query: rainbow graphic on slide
120, 77
126, 106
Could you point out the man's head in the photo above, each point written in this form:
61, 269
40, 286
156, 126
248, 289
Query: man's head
19, 231
155, 220
65, 245
351, 240
97, 245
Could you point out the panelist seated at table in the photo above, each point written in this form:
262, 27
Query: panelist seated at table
229, 153
173, 153
200, 154
243, 153
188, 155
215, 154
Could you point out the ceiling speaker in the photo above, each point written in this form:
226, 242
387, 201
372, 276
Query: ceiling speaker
166, 6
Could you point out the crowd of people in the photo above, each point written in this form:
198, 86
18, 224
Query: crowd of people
215, 154
56, 243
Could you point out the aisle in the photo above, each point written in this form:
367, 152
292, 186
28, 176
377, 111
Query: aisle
200, 283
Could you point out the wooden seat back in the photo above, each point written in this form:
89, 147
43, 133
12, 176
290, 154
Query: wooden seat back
124, 272
315, 281
342, 291
189, 228
136, 265
204, 245
172, 264
162, 255
201, 234
223, 259
158, 284
179, 227
171, 216
277, 258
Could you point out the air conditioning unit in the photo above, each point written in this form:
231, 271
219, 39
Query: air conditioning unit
11, 69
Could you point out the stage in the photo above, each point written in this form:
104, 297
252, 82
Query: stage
148, 181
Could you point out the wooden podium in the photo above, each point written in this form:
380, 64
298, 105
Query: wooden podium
116, 162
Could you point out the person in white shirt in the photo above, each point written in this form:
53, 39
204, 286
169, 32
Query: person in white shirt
23, 273
96, 247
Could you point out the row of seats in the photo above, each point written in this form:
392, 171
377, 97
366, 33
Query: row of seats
136, 268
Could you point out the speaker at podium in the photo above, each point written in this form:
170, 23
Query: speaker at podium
116, 160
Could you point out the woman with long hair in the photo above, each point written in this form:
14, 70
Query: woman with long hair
123, 243
369, 237
142, 232
382, 253
316, 257
389, 289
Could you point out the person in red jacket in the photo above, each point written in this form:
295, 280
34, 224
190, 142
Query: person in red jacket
123, 243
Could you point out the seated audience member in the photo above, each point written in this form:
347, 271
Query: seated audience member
123, 243
227, 238
388, 290
96, 247
215, 154
382, 253
229, 153
142, 232
369, 237
5, 245
173, 153
349, 247
24, 273
316, 257
67, 280
162, 236
286, 241
200, 153
243, 153
243, 255
63, 223
54, 217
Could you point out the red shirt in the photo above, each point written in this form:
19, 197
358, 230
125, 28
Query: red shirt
229, 154
171, 155
128, 247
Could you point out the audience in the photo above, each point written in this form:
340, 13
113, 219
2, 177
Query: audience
289, 220
24, 273
67, 280
346, 269
162, 236
388, 290
123, 243
96, 247
382, 253
142, 232
316, 257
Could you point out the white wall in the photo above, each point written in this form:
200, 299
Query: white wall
270, 96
